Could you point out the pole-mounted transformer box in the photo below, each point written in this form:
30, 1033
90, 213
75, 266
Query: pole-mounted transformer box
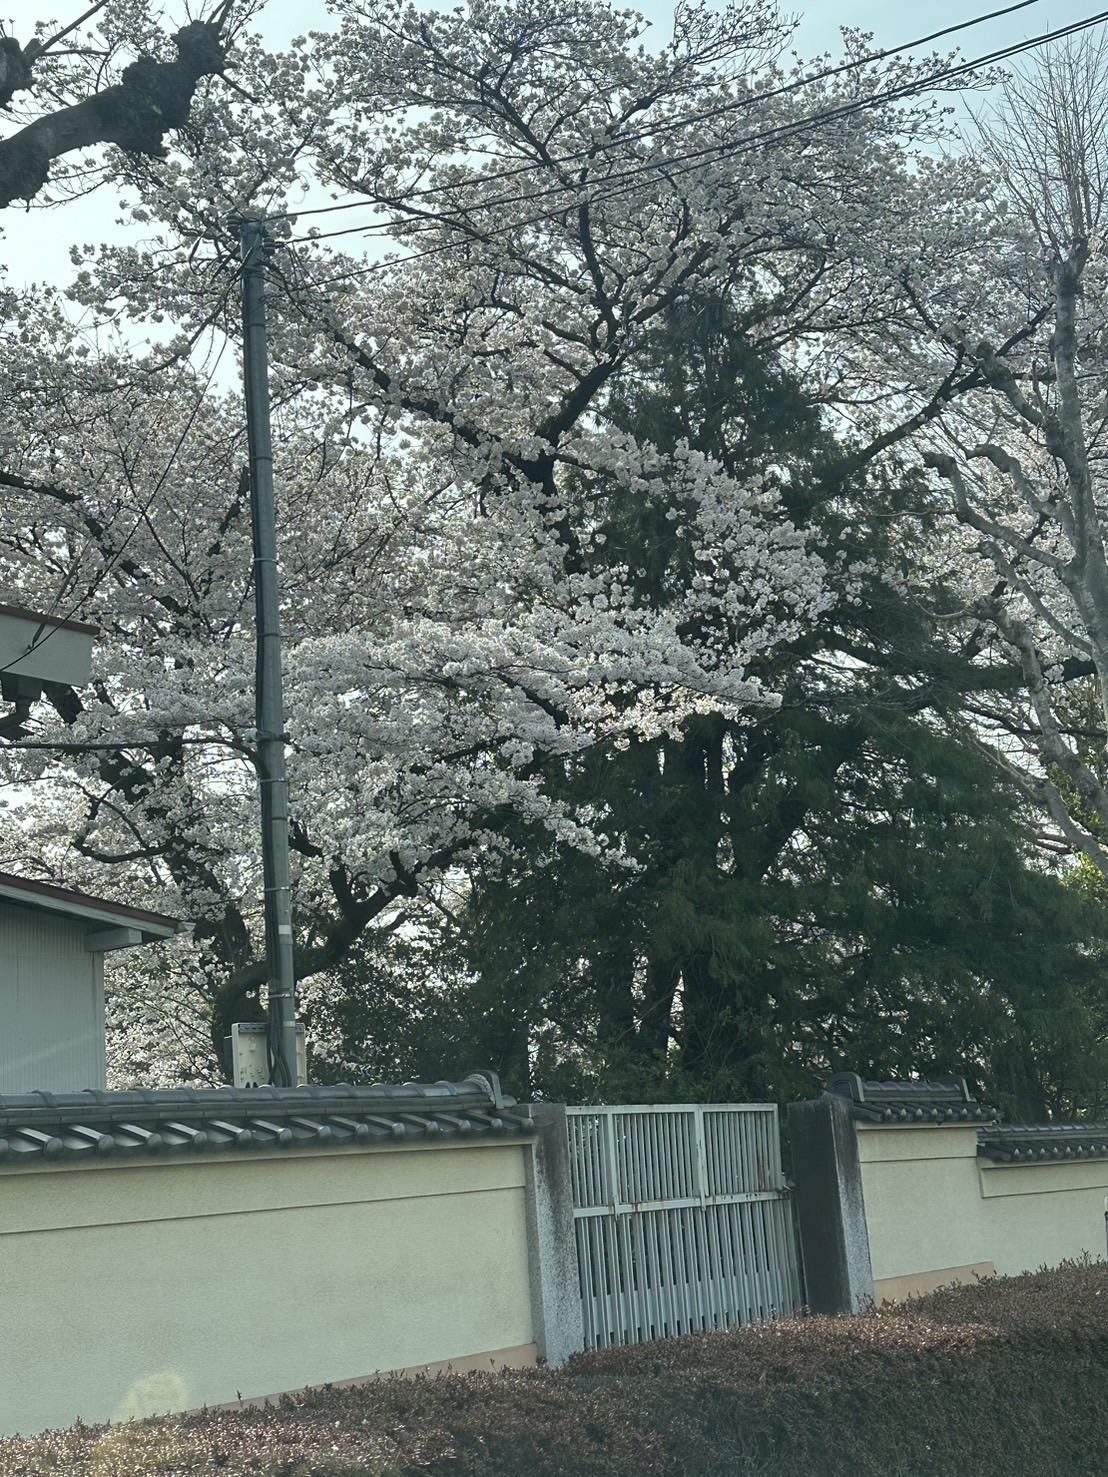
250, 1056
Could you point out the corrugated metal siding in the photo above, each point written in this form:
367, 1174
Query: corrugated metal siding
51, 1005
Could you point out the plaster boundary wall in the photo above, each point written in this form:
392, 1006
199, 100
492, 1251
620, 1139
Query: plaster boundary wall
130, 1288
939, 1213
893, 1210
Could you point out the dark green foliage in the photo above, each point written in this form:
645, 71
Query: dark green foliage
842, 882
1002, 1377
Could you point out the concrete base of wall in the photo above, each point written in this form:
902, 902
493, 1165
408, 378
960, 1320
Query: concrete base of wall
521, 1356
897, 1289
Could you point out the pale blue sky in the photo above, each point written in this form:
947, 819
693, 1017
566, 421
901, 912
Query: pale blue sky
36, 245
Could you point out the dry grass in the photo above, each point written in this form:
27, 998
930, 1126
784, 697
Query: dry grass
1000, 1379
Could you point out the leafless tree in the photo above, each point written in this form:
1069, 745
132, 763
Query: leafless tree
1025, 459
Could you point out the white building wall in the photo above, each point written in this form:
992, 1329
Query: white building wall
51, 1004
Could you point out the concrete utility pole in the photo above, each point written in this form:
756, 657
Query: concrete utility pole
268, 703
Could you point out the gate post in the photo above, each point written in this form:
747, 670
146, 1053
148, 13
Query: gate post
830, 1207
556, 1313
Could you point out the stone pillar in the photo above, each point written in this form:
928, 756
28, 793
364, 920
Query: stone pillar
830, 1207
552, 1244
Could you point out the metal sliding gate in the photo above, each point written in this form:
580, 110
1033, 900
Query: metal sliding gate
683, 1220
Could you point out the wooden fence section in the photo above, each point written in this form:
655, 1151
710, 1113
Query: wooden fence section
683, 1220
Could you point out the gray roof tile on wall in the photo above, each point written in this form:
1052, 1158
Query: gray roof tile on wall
93, 1124
1043, 1143
946, 1100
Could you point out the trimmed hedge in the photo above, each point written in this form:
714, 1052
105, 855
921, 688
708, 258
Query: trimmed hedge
1004, 1378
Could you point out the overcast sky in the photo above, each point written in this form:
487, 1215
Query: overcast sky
35, 245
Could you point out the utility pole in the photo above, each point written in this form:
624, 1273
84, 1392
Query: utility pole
268, 707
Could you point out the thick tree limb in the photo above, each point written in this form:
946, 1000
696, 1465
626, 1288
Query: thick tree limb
15, 68
151, 98
996, 373
1053, 748
948, 468
1042, 791
355, 912
1043, 508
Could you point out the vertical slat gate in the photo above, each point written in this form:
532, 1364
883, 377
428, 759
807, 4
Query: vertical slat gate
683, 1220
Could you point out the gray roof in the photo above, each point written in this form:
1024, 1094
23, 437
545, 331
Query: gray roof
86, 1125
56, 621
946, 1100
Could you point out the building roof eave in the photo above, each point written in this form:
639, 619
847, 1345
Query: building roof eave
65, 902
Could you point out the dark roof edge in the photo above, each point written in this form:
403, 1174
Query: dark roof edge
850, 1084
68, 898
48, 620
94, 1105
944, 1101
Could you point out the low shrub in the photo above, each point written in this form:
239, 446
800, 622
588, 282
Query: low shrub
1003, 1378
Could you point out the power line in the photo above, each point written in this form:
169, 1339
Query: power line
688, 121
120, 747
628, 178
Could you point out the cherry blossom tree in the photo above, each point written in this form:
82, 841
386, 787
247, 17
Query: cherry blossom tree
435, 652
455, 622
